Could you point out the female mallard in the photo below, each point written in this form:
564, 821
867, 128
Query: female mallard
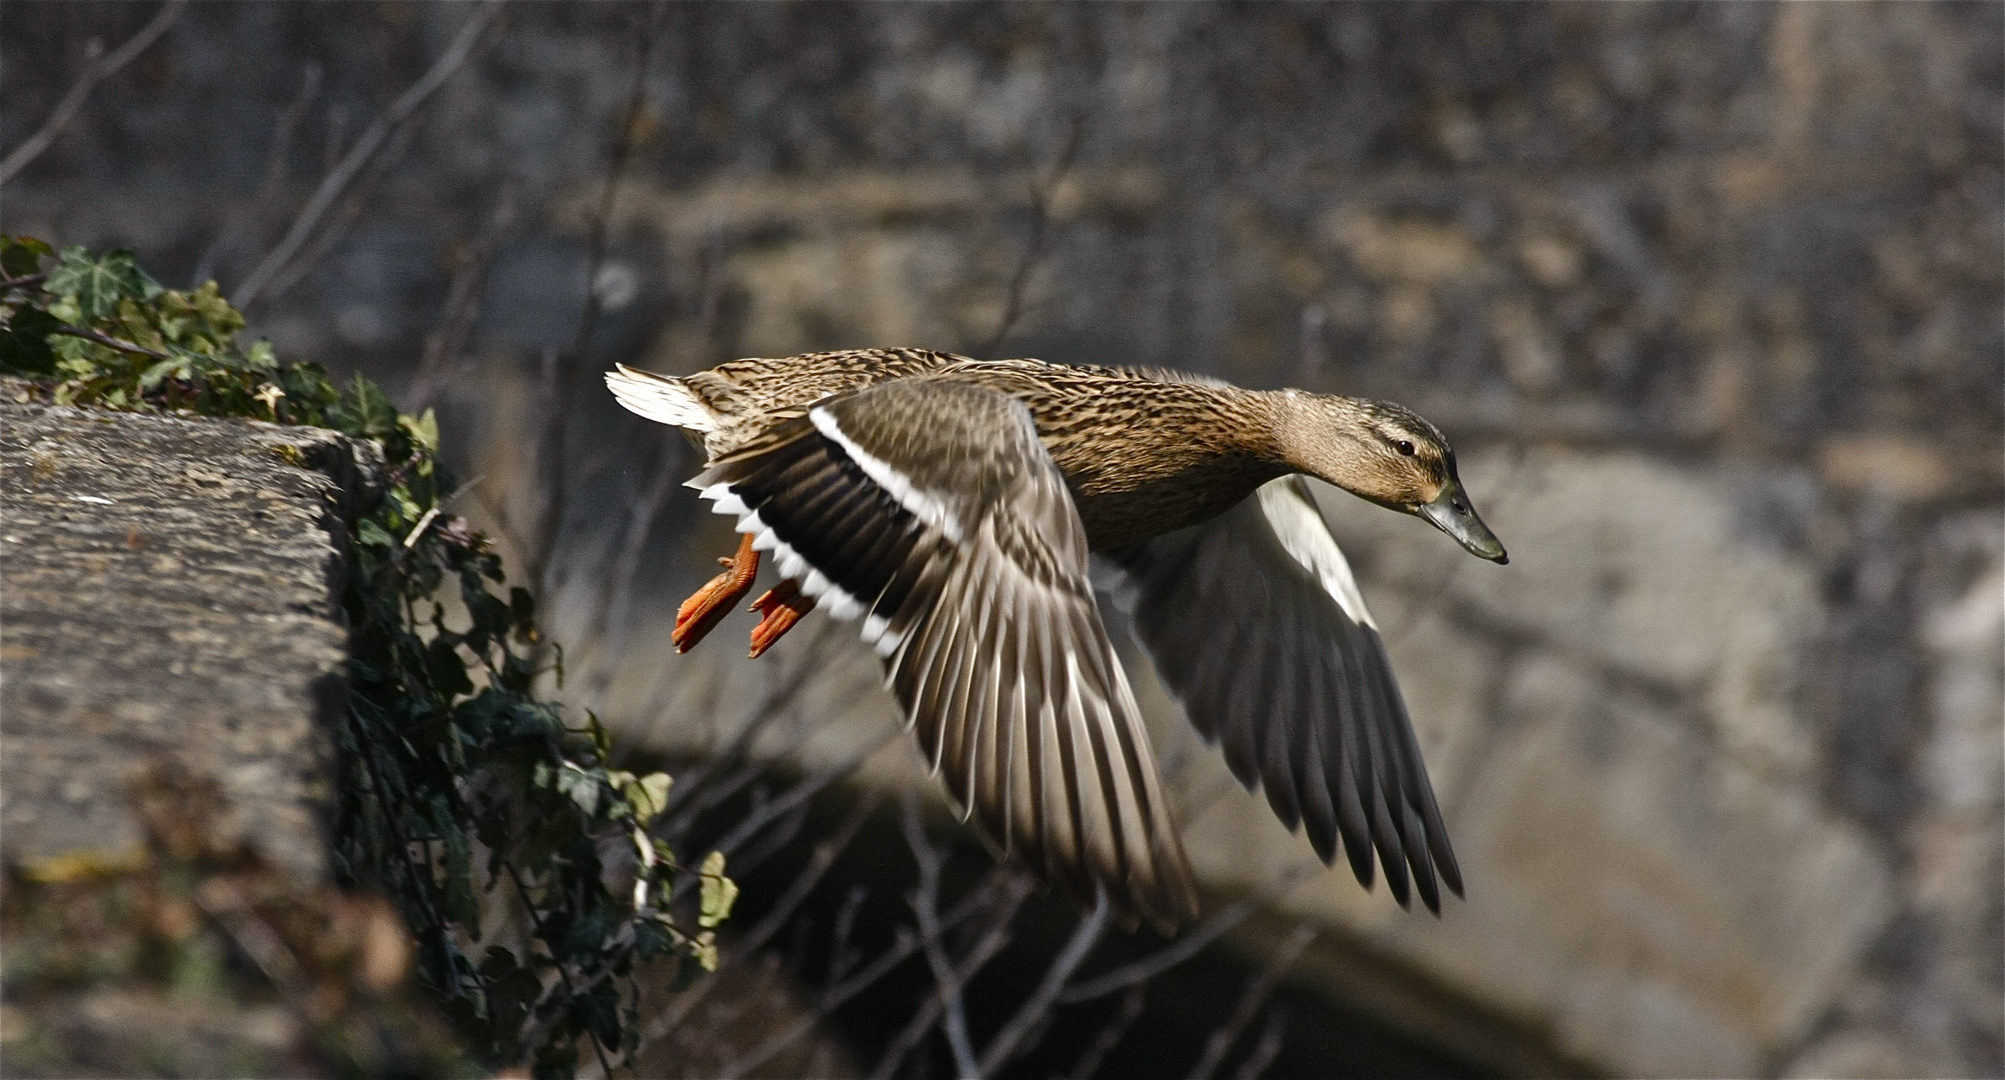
950, 503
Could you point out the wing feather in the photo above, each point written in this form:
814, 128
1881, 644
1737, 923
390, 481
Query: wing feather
1256, 625
931, 509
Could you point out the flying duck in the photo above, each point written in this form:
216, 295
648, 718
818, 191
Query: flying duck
950, 504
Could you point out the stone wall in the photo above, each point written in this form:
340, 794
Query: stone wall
172, 592
1706, 295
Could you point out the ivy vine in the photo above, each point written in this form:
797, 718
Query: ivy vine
469, 801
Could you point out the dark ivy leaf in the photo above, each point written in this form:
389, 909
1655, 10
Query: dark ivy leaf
24, 343
448, 671
21, 256
601, 1009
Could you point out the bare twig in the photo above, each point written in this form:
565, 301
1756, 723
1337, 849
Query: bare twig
1188, 945
373, 137
1040, 222
925, 902
1000, 880
563, 973
275, 172
96, 69
1266, 1050
338, 223
785, 804
694, 792
109, 342
663, 460
839, 958
1037, 1007
1111, 1035
559, 389
336, 228
25, 281
824, 857
444, 345
1249, 1003
928, 1013
754, 855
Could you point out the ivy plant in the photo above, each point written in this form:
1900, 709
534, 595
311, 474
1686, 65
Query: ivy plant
469, 800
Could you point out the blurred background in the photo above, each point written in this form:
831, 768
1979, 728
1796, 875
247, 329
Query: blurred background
1707, 297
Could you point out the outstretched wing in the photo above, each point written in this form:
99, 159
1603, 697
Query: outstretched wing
929, 509
1256, 625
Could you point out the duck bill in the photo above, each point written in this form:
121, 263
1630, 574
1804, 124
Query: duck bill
1453, 513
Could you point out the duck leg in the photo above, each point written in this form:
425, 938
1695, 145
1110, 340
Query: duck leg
708, 605
783, 605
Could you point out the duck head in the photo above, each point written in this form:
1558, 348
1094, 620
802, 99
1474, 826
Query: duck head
1385, 453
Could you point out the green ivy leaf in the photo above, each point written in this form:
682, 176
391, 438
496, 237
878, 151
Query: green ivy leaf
717, 893
98, 285
649, 795
373, 535
424, 431
580, 787
704, 948
365, 411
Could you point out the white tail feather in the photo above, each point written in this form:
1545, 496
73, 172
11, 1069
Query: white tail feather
660, 398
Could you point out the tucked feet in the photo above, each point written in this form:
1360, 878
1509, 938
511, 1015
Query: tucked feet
708, 605
782, 605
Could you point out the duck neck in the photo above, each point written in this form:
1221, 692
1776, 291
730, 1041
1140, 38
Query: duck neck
1326, 436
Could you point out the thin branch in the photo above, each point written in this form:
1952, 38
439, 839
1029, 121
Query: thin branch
1037, 1007
26, 281
563, 973
928, 1013
824, 857
559, 388
444, 345
1266, 1050
925, 902
1111, 1035
1187, 946
399, 112
785, 804
275, 173
1000, 879
1249, 1003
662, 462
335, 230
96, 69
109, 342
839, 959
1040, 222
694, 792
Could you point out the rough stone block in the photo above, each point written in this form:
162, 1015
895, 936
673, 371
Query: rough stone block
171, 591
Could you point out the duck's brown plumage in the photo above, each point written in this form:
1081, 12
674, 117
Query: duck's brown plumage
950, 503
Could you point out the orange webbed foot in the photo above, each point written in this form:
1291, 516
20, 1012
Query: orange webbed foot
708, 605
783, 605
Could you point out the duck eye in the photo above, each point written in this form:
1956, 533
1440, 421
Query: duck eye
1404, 447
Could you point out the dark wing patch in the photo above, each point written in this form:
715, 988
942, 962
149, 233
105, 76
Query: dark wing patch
930, 509
1295, 689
